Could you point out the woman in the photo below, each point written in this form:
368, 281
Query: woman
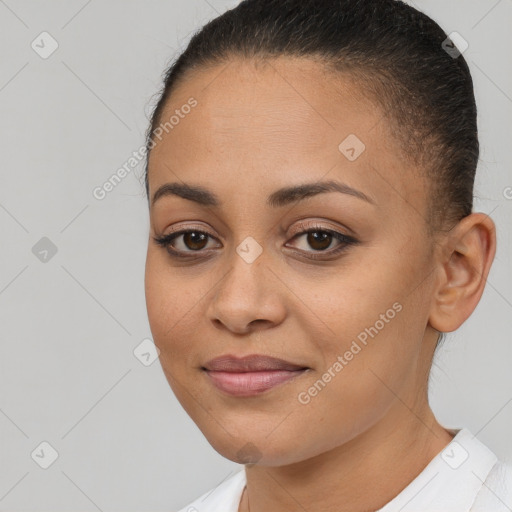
310, 179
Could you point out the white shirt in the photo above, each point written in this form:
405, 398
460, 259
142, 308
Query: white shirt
466, 476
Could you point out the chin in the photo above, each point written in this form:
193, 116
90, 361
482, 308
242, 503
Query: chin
259, 449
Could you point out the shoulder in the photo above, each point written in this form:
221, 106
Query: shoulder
496, 492
225, 497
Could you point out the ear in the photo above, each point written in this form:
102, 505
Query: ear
466, 257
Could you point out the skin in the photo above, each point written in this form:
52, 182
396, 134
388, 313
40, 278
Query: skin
259, 127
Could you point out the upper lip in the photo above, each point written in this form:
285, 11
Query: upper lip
251, 363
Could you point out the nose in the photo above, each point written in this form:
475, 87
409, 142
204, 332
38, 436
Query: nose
247, 298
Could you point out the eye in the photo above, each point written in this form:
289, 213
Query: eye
320, 239
184, 241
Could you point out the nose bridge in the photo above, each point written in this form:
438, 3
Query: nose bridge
245, 280
246, 292
249, 250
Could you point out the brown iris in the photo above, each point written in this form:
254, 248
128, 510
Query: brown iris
319, 239
195, 240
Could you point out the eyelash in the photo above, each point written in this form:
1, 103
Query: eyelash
345, 241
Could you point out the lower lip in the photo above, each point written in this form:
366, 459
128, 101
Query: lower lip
250, 383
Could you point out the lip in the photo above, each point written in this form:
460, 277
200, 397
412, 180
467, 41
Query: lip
250, 363
250, 375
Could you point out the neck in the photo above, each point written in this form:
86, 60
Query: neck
359, 476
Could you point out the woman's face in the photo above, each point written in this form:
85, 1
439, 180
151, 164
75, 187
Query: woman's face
356, 315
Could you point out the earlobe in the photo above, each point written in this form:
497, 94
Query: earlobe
468, 254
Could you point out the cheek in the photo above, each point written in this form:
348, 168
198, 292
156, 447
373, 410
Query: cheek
367, 327
353, 300
171, 303
171, 307
365, 365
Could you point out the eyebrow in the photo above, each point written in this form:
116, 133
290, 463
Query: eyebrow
277, 199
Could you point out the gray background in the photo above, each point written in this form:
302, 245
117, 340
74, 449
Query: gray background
69, 325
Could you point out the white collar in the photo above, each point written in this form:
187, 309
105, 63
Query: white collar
450, 482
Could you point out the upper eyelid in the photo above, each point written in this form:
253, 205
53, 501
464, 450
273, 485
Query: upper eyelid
301, 231
302, 227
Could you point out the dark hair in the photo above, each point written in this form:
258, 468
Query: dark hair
396, 53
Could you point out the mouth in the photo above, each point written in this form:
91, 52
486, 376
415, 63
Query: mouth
250, 375
250, 383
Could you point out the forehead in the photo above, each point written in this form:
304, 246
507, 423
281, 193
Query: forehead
274, 103
276, 122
